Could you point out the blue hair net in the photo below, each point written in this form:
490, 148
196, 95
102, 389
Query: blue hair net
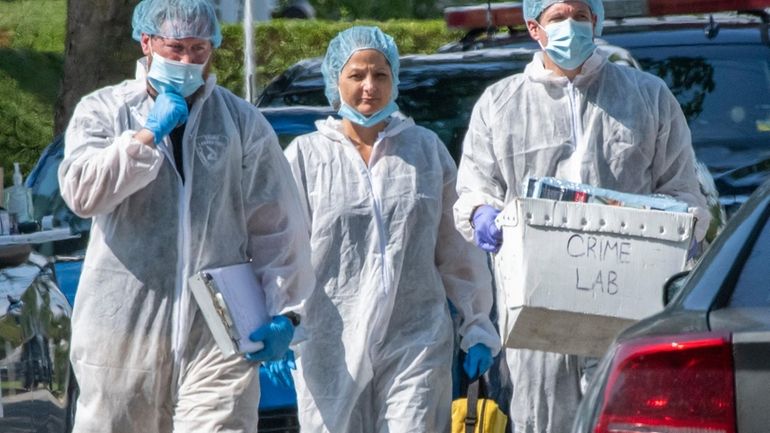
176, 19
348, 42
533, 9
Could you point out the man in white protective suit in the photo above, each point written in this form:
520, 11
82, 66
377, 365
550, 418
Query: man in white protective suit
179, 175
573, 115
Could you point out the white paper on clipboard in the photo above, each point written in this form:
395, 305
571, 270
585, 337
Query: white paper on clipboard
233, 303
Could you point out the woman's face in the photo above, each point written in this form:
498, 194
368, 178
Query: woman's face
366, 83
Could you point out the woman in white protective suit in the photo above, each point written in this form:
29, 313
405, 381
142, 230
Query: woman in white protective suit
179, 175
378, 192
574, 115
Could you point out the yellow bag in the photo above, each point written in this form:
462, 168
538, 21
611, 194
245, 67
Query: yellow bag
482, 417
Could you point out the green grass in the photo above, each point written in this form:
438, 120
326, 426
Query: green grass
31, 57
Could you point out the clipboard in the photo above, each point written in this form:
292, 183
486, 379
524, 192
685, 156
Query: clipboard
233, 305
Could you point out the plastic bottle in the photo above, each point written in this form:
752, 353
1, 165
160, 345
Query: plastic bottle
18, 198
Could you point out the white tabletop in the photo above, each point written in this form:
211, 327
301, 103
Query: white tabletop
56, 234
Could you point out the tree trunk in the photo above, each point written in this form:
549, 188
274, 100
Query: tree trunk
99, 51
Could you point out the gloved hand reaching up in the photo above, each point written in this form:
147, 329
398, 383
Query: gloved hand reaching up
477, 361
276, 337
279, 372
485, 232
170, 110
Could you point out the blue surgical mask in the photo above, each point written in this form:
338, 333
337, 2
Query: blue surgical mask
355, 116
167, 75
570, 42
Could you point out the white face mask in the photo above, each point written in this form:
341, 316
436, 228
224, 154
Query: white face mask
167, 75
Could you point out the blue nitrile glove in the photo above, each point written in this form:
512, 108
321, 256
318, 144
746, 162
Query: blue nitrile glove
486, 233
279, 372
170, 110
276, 337
477, 361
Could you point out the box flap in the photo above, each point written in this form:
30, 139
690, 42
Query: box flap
546, 330
590, 217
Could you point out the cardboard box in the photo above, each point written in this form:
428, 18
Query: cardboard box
573, 275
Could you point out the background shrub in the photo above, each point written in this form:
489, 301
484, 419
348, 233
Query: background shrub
281, 43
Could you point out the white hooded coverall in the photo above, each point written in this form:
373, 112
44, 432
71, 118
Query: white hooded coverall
614, 127
387, 256
142, 354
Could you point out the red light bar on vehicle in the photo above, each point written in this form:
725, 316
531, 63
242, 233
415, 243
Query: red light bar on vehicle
682, 383
481, 16
510, 14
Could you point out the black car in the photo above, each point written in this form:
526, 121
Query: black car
702, 364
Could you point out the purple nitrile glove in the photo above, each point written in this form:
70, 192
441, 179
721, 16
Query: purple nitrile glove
276, 336
488, 236
477, 361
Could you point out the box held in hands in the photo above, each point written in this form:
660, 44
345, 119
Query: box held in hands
573, 275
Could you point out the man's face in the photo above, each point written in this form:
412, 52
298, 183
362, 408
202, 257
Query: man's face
557, 12
185, 50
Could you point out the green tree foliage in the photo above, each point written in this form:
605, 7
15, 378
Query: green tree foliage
376, 9
281, 43
348, 10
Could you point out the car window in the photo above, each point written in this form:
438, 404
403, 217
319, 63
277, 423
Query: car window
724, 90
752, 288
442, 101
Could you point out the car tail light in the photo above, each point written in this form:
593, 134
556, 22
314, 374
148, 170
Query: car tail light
510, 14
680, 384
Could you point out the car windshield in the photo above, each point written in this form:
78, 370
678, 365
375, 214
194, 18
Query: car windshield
724, 90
